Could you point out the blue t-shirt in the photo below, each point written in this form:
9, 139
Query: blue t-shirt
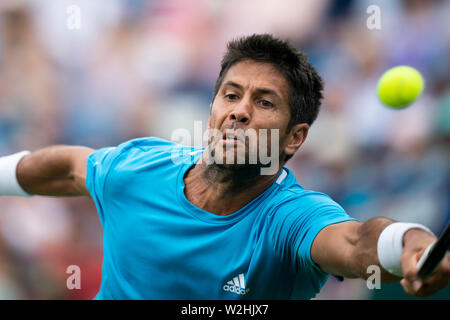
158, 245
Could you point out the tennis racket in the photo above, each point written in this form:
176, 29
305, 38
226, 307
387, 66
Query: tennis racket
434, 254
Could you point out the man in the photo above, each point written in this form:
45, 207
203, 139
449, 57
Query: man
186, 223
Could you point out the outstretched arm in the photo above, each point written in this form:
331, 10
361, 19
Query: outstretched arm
54, 171
347, 249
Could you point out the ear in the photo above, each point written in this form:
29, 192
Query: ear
295, 138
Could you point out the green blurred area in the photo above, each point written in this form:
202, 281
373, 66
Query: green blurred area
394, 291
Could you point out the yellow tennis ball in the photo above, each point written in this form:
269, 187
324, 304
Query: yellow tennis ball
400, 86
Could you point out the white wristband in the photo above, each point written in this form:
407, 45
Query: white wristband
390, 245
9, 186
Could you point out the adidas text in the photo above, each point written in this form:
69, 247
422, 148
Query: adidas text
235, 289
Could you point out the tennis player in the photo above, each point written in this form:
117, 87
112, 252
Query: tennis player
181, 223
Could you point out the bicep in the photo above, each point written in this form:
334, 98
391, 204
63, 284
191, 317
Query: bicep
333, 248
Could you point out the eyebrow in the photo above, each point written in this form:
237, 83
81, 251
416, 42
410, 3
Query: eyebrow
260, 90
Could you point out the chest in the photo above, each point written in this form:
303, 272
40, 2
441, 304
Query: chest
164, 249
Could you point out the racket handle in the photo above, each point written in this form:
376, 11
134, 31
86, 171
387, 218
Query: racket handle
424, 256
423, 267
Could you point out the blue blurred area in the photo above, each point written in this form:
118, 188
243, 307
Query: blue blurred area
141, 68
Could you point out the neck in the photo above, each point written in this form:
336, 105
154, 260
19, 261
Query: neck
223, 189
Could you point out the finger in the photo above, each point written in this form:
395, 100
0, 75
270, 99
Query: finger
407, 287
441, 277
424, 290
409, 269
439, 280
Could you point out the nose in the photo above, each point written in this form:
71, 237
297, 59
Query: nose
241, 112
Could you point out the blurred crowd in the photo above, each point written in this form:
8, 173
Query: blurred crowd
134, 68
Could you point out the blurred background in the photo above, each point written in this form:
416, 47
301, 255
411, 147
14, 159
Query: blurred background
98, 73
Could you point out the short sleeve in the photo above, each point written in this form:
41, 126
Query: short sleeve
297, 224
317, 219
110, 161
99, 164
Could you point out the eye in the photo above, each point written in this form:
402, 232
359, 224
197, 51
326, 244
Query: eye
231, 96
265, 103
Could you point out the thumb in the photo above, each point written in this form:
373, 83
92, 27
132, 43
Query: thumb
411, 281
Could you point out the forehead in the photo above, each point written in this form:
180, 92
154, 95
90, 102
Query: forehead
252, 74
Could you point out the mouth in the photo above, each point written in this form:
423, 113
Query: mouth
231, 136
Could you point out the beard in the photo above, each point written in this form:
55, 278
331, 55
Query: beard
243, 153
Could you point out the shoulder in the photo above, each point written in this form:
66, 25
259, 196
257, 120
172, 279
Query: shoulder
142, 144
293, 205
305, 208
146, 144
292, 195
307, 199
297, 216
137, 154
146, 150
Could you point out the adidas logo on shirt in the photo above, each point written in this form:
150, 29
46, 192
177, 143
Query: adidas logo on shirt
237, 285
